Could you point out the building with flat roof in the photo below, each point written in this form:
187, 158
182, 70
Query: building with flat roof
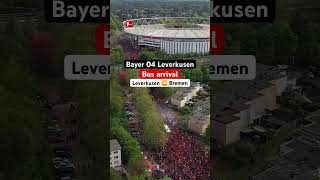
239, 103
200, 119
298, 159
115, 153
183, 95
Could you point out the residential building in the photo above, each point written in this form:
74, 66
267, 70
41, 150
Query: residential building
115, 153
239, 103
183, 95
298, 158
200, 119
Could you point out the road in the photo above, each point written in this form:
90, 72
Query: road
67, 118
183, 157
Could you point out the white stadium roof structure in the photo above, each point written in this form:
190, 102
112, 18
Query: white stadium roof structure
180, 30
155, 27
158, 30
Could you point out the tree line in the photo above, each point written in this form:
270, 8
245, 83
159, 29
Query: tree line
154, 134
292, 39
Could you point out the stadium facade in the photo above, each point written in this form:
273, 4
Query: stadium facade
174, 35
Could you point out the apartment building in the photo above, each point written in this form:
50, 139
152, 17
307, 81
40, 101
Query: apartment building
183, 95
115, 153
200, 119
239, 103
298, 158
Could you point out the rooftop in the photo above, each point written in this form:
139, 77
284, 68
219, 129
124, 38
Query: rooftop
202, 31
236, 95
183, 92
202, 114
114, 145
301, 162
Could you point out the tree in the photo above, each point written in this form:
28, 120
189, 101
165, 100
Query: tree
309, 48
114, 175
117, 56
130, 147
232, 47
248, 42
117, 99
286, 42
147, 55
266, 39
205, 72
195, 75
154, 134
161, 55
186, 110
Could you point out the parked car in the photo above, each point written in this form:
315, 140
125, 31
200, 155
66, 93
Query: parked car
129, 113
63, 148
63, 151
132, 125
62, 174
54, 127
53, 139
64, 165
58, 160
135, 135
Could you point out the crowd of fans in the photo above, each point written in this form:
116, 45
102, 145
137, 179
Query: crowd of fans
184, 158
129, 52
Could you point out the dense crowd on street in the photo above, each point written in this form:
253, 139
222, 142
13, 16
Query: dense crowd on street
184, 158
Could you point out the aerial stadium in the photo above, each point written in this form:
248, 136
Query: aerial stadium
173, 35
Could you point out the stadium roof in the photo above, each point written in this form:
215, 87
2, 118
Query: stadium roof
160, 31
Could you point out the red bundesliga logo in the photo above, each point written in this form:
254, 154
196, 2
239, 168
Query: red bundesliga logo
216, 39
129, 24
103, 39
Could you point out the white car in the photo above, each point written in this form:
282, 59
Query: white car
64, 165
129, 113
66, 178
58, 160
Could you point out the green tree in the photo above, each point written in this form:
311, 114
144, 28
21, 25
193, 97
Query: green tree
286, 42
266, 38
147, 55
154, 134
117, 56
309, 48
130, 147
248, 42
161, 55
114, 175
